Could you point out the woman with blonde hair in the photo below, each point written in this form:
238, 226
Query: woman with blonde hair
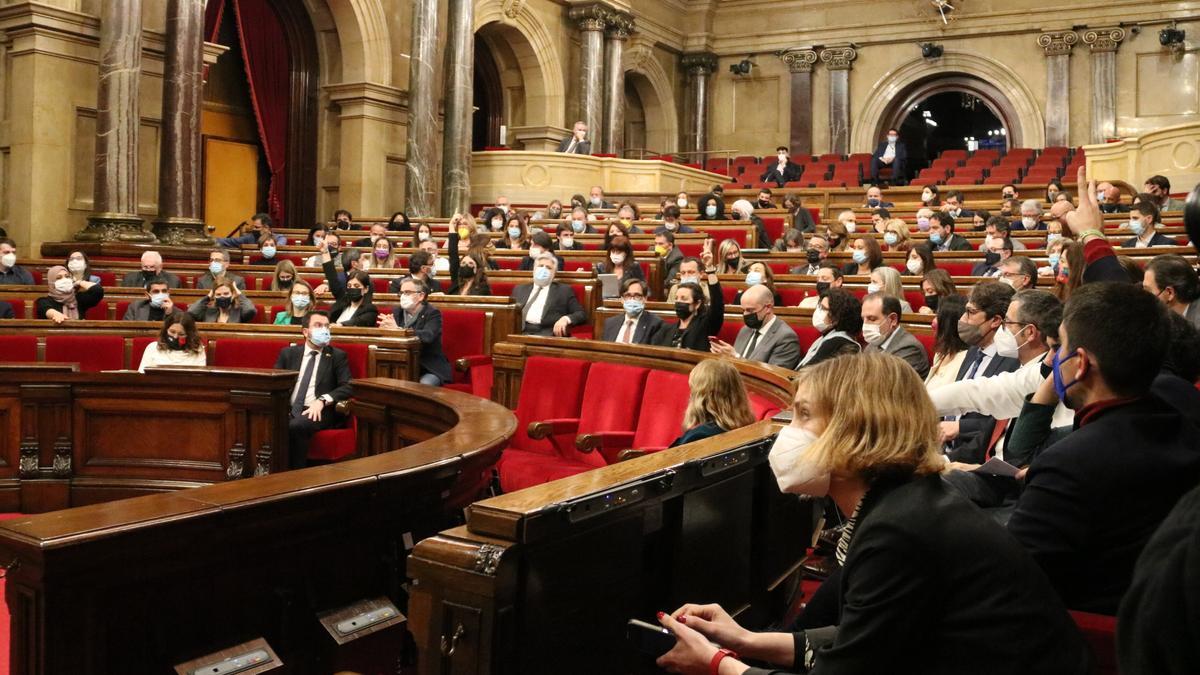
718, 401
838, 236
284, 277
730, 258
896, 235
299, 303
887, 279
925, 577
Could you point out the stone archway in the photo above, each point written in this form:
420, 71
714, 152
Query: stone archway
1000, 89
538, 120
647, 76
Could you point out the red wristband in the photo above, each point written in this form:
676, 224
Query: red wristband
715, 665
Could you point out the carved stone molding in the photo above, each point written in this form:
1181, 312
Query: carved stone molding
236, 466
487, 559
620, 26
839, 58
512, 8
1104, 39
262, 459
1055, 44
702, 63
590, 17
799, 60
62, 457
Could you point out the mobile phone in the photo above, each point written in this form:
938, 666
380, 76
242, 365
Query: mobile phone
648, 638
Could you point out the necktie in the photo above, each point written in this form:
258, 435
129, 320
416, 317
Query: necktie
302, 390
627, 332
750, 347
974, 365
529, 305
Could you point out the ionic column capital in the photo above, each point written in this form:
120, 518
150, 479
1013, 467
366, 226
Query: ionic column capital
799, 60
1104, 39
590, 17
1058, 43
839, 58
620, 26
702, 63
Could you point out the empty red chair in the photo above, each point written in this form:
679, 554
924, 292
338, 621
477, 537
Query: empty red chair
239, 353
334, 445
551, 388
956, 154
829, 158
92, 353
660, 419
762, 407
19, 348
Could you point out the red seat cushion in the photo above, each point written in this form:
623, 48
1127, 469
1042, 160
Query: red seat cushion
1100, 632
241, 353
138, 347
661, 418
957, 269
97, 312
332, 445
357, 355
462, 335
93, 353
927, 341
551, 388
763, 407
18, 348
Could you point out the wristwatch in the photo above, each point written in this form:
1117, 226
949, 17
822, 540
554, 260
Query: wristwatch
326, 399
712, 271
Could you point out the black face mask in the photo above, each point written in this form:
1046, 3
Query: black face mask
753, 321
765, 204
466, 272
224, 303
354, 294
148, 275
931, 301
555, 214
286, 283
823, 287
991, 258
683, 310
176, 344
814, 256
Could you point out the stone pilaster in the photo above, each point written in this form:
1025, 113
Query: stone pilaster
459, 96
1057, 47
1103, 43
179, 190
699, 67
620, 26
420, 176
839, 60
800, 64
592, 21
117, 119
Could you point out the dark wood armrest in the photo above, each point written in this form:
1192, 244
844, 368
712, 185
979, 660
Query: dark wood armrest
608, 442
467, 362
546, 428
343, 407
630, 454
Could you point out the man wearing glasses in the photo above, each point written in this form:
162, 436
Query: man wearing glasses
635, 326
425, 321
1019, 272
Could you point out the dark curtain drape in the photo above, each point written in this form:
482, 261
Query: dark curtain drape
268, 67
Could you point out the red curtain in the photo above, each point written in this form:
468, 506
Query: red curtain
268, 72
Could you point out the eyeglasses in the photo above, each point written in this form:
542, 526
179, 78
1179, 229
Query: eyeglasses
1011, 275
1019, 324
410, 293
633, 296
972, 311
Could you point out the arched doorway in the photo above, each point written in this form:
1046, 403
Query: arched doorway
488, 99
236, 123
948, 120
635, 122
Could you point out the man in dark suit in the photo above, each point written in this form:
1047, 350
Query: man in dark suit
425, 321
1143, 222
875, 199
547, 307
881, 312
967, 437
324, 382
664, 245
576, 143
1109, 196
783, 171
152, 266
953, 204
998, 250
636, 326
157, 304
1092, 500
941, 234
765, 337
6, 311
1171, 279
890, 152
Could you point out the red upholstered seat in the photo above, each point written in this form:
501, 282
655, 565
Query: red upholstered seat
791, 296
1100, 632
238, 353
774, 225
138, 347
763, 407
462, 338
20, 348
729, 330
551, 388
107, 279
958, 269
915, 298
334, 445
357, 355
98, 312
927, 341
807, 335
663, 404
93, 353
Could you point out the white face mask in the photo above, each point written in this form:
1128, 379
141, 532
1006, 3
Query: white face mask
820, 319
682, 203
8, 259
893, 139
535, 251
873, 287
926, 196
871, 332
1029, 222
914, 265
76, 265
1006, 342
566, 242
64, 285
617, 258
407, 302
850, 226
782, 158
794, 470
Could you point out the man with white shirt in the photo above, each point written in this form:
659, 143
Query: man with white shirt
783, 171
548, 308
577, 143
323, 382
1143, 222
890, 153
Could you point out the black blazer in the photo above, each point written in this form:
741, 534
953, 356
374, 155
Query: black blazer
561, 302
85, 300
933, 585
6, 310
581, 148
1159, 239
831, 347
645, 331
634, 271
480, 288
428, 327
333, 372
138, 279
791, 172
975, 430
703, 326
901, 153
1092, 500
367, 314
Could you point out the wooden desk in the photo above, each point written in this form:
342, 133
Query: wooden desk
134, 586
71, 439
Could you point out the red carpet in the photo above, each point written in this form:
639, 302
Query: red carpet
4, 612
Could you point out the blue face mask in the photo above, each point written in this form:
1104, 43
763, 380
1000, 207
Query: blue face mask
514, 232
1060, 388
216, 268
1137, 227
320, 336
890, 238
299, 301
935, 237
578, 225
754, 278
710, 210
542, 274
268, 252
860, 257
1053, 259
157, 299
1052, 237
633, 307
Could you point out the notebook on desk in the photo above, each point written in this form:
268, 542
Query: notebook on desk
610, 286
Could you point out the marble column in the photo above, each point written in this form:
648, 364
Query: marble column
420, 179
592, 20
183, 99
839, 60
700, 68
800, 63
115, 191
459, 104
1057, 47
1104, 43
619, 28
